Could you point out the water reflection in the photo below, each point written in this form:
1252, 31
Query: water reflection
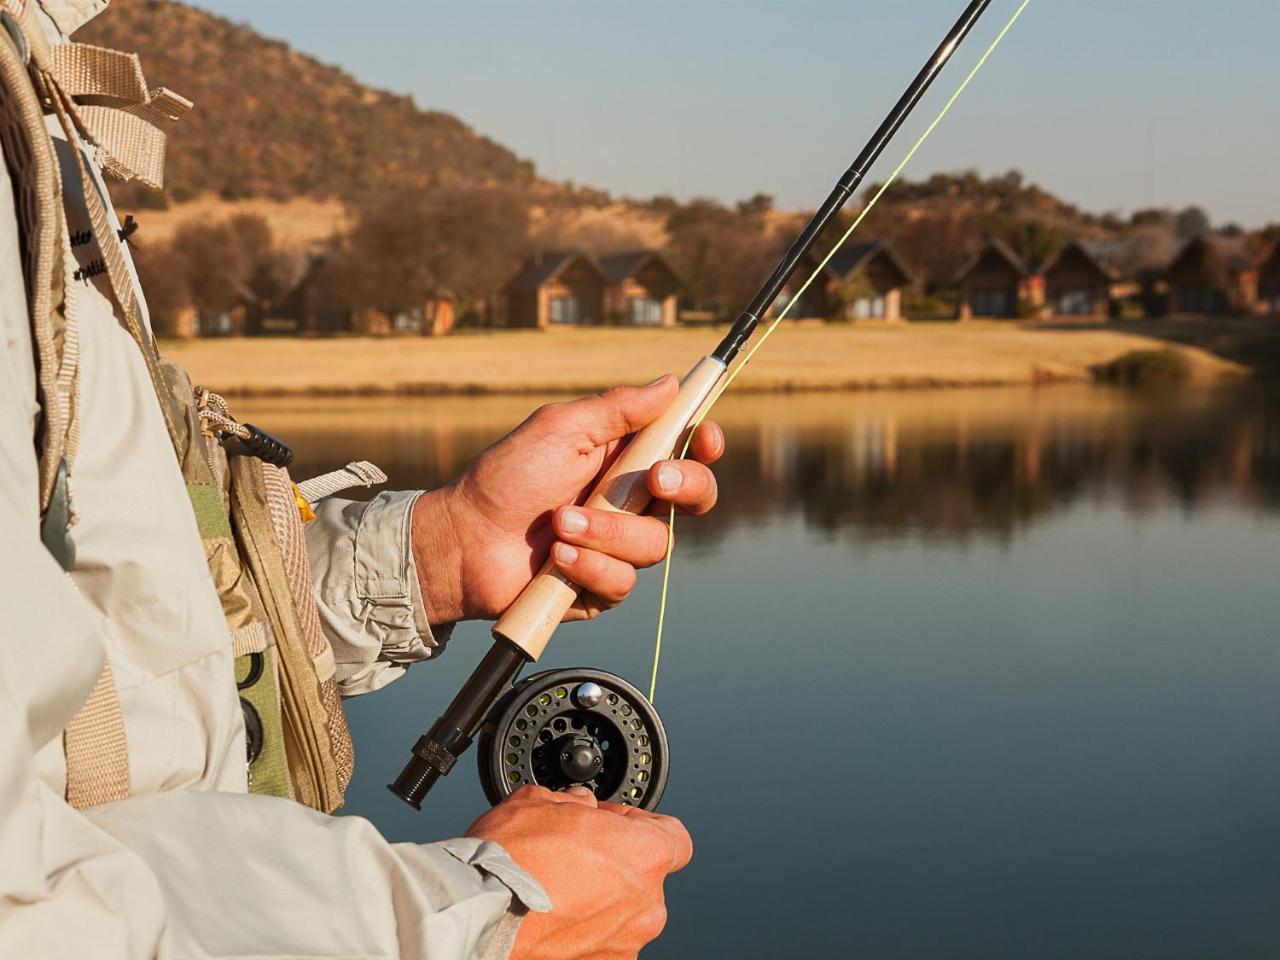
950, 465
1034, 716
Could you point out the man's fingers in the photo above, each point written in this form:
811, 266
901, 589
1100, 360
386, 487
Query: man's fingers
679, 844
639, 541
707, 445
532, 793
609, 579
620, 411
687, 484
579, 795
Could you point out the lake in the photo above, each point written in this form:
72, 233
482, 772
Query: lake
947, 675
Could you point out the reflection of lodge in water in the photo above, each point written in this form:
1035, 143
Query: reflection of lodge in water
942, 464
948, 469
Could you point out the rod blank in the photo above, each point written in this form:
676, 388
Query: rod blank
749, 319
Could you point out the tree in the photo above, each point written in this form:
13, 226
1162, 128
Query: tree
1191, 223
598, 231
214, 268
1035, 241
163, 274
722, 254
410, 245
757, 205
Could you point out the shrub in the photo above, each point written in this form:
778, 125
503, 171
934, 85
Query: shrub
1139, 368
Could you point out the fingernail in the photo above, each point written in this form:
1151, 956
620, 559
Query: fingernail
571, 521
657, 380
669, 478
566, 553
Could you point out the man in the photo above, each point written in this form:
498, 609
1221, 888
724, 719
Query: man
185, 862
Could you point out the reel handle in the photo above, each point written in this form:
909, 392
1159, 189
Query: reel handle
534, 615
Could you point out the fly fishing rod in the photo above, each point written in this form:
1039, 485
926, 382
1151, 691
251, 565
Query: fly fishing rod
588, 727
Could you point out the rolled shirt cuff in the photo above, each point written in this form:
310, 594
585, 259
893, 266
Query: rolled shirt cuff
368, 590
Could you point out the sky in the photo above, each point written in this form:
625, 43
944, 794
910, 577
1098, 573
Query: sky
1110, 104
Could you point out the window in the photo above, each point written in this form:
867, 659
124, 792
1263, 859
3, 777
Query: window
407, 321
1072, 303
215, 324
565, 310
991, 302
1196, 298
644, 311
801, 307
868, 308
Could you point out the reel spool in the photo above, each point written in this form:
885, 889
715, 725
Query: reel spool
579, 727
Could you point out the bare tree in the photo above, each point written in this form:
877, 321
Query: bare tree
410, 245
722, 254
599, 235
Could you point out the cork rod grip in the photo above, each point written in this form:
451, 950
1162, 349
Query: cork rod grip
534, 615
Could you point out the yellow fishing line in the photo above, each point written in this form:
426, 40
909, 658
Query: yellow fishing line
782, 315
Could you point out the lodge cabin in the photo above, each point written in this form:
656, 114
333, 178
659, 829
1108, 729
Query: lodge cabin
1269, 281
311, 307
638, 288
232, 322
557, 289
861, 281
434, 318
993, 284
314, 308
643, 289
1210, 276
1077, 286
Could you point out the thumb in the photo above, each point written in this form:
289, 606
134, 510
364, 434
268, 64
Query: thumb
577, 794
622, 411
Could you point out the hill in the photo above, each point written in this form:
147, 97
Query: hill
274, 123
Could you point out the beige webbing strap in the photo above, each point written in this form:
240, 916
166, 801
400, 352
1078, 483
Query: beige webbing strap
121, 280
308, 747
359, 473
38, 198
282, 505
130, 147
95, 742
106, 93
97, 74
97, 749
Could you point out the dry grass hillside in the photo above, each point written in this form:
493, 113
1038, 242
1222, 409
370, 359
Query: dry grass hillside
316, 131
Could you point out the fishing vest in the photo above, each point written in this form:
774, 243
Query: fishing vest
249, 513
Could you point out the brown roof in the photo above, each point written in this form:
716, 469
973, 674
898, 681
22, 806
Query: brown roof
854, 256
622, 266
547, 265
1221, 257
1000, 249
1083, 250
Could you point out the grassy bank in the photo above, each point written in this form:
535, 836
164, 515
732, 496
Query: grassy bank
574, 361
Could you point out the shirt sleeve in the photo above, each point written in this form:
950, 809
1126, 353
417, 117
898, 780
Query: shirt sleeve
202, 874
247, 876
368, 590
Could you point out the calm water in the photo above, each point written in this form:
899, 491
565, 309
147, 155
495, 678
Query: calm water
974, 674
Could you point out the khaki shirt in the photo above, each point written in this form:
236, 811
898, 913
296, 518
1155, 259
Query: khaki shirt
191, 865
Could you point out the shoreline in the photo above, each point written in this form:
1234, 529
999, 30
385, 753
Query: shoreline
829, 359
535, 389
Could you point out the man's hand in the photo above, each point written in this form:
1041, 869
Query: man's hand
478, 541
602, 865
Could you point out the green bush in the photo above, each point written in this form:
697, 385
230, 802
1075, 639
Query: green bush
1140, 368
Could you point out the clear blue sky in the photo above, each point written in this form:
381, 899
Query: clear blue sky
1112, 104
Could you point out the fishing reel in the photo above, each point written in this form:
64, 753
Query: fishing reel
577, 727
